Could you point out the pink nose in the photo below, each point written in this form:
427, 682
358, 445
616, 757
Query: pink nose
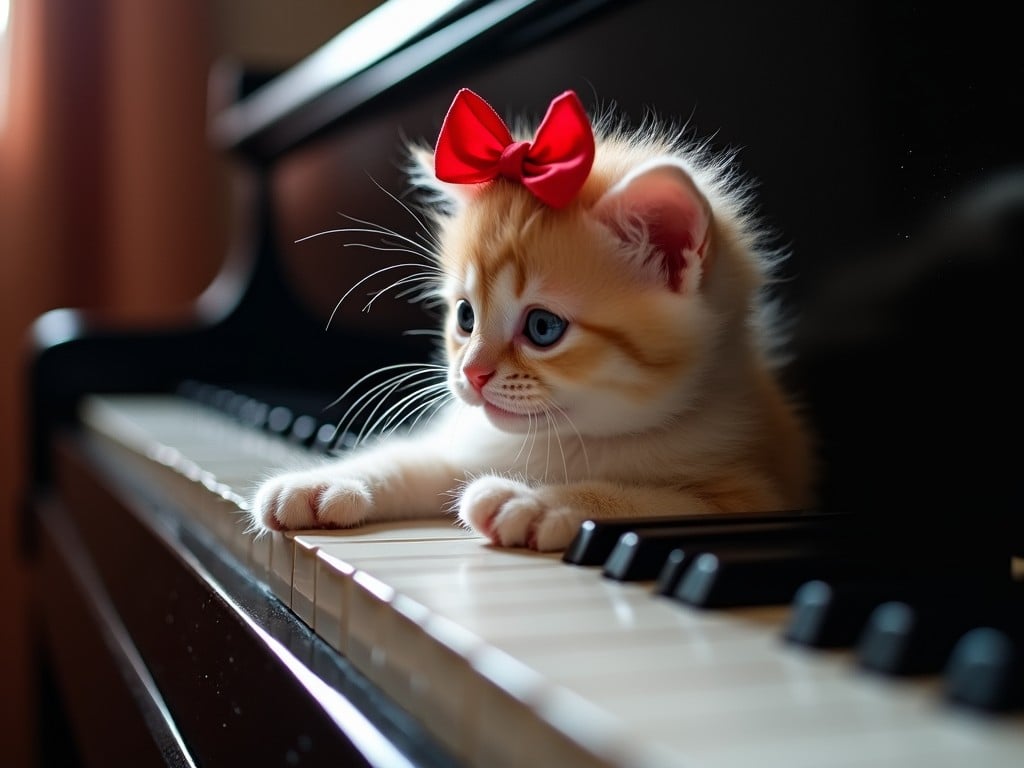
478, 375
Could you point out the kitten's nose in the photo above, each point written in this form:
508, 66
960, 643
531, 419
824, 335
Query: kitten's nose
478, 375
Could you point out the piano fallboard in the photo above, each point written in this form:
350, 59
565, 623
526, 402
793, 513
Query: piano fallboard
472, 655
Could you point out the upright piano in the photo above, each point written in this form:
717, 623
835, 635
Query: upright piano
885, 139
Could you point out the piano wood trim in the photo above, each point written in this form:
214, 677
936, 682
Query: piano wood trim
245, 681
96, 661
305, 101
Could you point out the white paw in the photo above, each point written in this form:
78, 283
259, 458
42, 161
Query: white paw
311, 499
512, 514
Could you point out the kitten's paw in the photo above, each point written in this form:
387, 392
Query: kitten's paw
501, 509
513, 514
313, 499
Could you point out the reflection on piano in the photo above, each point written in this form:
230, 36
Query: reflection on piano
883, 629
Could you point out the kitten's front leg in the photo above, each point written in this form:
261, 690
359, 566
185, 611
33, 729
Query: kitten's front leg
395, 481
546, 518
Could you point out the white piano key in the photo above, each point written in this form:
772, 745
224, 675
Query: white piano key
259, 556
282, 560
368, 599
304, 580
330, 606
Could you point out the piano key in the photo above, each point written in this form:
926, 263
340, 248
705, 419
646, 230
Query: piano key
672, 570
595, 539
732, 659
762, 575
304, 430
611, 676
640, 555
915, 636
828, 614
279, 420
326, 434
986, 670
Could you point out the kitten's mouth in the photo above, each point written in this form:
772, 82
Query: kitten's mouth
498, 414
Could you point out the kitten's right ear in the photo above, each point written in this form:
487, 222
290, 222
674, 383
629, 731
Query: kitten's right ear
449, 197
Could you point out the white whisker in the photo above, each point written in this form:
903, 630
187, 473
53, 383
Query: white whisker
394, 416
417, 279
362, 280
579, 437
379, 394
423, 228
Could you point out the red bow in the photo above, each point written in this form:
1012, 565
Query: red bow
475, 146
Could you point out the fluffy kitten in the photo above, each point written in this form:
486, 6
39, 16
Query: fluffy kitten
608, 358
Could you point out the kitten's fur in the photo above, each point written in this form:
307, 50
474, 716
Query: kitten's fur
659, 399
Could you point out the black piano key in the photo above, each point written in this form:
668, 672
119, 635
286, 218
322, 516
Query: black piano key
672, 571
279, 420
917, 636
595, 539
730, 577
640, 555
831, 615
323, 440
347, 440
303, 430
637, 556
253, 413
986, 670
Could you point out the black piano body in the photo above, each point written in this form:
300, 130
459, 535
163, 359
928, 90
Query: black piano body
889, 166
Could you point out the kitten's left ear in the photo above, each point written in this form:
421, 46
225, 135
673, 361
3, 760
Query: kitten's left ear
451, 197
657, 206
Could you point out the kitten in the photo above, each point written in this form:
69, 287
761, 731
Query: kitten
604, 340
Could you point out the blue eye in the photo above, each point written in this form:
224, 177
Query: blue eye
464, 316
544, 328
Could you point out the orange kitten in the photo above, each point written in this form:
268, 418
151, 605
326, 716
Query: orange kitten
607, 352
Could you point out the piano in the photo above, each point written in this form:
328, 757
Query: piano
887, 146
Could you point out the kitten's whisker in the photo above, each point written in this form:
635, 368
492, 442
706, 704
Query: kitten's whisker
381, 392
362, 402
372, 228
362, 280
371, 420
547, 448
553, 427
579, 437
393, 417
437, 403
386, 248
375, 228
522, 447
532, 432
419, 221
414, 248
379, 371
416, 279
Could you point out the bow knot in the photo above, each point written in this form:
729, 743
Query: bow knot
475, 145
513, 156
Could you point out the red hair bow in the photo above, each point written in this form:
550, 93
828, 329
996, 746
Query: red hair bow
475, 146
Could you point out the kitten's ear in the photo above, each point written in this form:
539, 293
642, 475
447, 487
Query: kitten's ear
450, 197
658, 208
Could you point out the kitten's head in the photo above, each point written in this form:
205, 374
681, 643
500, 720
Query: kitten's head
603, 316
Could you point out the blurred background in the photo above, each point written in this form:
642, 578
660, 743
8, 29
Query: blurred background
103, 155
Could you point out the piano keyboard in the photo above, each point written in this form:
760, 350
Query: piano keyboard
513, 658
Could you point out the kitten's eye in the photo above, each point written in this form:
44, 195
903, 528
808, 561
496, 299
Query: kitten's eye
464, 316
544, 328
